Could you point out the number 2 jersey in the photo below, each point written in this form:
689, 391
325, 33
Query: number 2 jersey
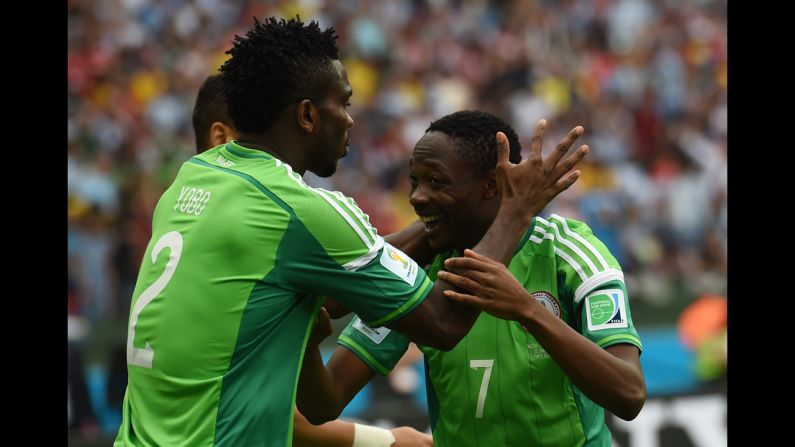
227, 295
498, 386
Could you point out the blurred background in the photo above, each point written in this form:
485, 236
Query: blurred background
647, 79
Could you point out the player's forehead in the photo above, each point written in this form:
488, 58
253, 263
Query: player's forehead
340, 83
437, 150
433, 147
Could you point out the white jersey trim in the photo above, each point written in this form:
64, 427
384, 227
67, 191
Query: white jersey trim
327, 196
595, 281
365, 259
582, 240
575, 249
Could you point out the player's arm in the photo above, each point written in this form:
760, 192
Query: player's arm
347, 434
324, 391
345, 375
611, 377
526, 188
317, 396
363, 352
412, 241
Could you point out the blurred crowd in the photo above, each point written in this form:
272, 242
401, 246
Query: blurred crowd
647, 79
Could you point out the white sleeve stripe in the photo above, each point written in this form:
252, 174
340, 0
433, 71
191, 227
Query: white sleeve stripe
582, 240
297, 178
290, 173
542, 220
572, 263
347, 217
575, 249
544, 235
356, 212
595, 281
365, 259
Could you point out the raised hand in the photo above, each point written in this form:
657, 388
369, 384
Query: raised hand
492, 287
409, 437
529, 186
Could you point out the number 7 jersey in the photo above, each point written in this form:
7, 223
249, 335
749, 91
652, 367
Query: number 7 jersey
498, 386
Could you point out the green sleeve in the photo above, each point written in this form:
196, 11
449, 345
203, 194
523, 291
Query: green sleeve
380, 348
386, 287
605, 317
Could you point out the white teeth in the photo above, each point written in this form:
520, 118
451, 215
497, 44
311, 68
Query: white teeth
431, 219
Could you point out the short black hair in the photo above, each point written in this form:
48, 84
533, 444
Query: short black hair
277, 63
210, 107
475, 132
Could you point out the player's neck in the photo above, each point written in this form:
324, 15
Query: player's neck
277, 145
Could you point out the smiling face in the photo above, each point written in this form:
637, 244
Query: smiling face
334, 124
455, 200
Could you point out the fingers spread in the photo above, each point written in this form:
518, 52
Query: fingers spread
564, 183
538, 139
562, 148
503, 148
571, 161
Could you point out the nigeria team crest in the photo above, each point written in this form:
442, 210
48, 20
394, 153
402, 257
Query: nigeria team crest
548, 301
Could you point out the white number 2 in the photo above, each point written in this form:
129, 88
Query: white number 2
173, 240
484, 385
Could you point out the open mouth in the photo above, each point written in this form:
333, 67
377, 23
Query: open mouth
432, 221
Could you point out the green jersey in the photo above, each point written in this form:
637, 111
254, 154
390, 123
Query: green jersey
228, 292
498, 386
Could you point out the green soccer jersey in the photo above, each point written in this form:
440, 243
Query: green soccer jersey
227, 293
498, 386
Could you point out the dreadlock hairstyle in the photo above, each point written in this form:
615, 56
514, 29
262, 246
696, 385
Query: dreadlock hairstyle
277, 63
210, 107
475, 131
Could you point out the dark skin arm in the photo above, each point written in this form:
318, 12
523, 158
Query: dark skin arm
323, 392
526, 188
315, 386
349, 374
611, 377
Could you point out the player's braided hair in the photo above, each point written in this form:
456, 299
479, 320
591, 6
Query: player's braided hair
474, 131
277, 63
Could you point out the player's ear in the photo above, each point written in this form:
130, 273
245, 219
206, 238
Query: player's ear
490, 187
220, 133
306, 114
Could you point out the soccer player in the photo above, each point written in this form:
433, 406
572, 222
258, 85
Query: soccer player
213, 127
242, 249
557, 345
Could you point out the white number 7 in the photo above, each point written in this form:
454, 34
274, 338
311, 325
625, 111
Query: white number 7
484, 385
173, 240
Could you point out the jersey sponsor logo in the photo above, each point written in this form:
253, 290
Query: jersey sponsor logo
377, 335
606, 310
398, 263
548, 301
